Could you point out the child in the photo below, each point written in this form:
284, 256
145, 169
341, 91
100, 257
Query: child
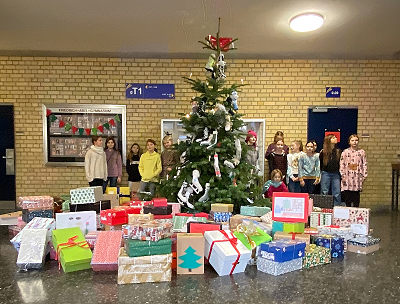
353, 169
95, 163
272, 146
329, 159
275, 184
309, 169
293, 166
252, 154
149, 168
277, 159
169, 157
114, 163
132, 167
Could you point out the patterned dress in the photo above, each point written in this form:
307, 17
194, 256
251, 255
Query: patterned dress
353, 168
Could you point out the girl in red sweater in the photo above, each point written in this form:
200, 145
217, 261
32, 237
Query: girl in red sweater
275, 184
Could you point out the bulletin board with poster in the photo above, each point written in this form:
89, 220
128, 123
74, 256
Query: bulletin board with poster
68, 131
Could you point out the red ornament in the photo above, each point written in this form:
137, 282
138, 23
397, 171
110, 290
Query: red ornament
88, 131
74, 129
48, 112
112, 122
62, 124
219, 145
224, 42
101, 129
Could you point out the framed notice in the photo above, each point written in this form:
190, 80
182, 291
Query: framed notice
68, 131
290, 207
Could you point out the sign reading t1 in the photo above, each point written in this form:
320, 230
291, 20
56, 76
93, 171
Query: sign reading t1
149, 91
332, 92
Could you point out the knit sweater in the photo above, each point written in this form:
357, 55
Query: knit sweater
132, 168
309, 167
95, 164
293, 163
114, 163
150, 166
271, 189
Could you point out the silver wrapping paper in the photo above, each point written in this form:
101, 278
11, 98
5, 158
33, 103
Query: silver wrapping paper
276, 268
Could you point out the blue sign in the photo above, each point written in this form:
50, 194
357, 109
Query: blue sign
332, 92
149, 91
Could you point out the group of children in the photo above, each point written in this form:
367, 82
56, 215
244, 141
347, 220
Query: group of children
329, 172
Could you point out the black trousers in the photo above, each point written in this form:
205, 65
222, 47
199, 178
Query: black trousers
351, 198
97, 182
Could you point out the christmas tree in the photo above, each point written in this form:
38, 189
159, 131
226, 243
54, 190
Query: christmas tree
190, 259
214, 167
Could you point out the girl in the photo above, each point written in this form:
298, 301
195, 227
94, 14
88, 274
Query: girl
252, 154
169, 157
329, 158
275, 184
149, 168
293, 166
96, 163
272, 146
353, 169
132, 167
309, 169
278, 159
114, 163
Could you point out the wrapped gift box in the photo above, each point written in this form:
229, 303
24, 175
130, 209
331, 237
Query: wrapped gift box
282, 251
117, 216
97, 206
225, 252
363, 244
91, 238
148, 230
132, 218
159, 202
267, 228
222, 207
322, 201
32, 251
197, 227
254, 210
334, 243
220, 216
154, 268
163, 217
311, 231
294, 227
85, 220
72, 249
345, 233
277, 226
135, 248
36, 223
320, 219
30, 202
123, 193
113, 198
86, 195
235, 220
277, 268
190, 249
302, 237
316, 255
163, 210
176, 208
180, 221
356, 218
10, 218
31, 213
13, 230
267, 218
106, 251
251, 233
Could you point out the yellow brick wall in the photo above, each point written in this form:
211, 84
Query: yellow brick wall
278, 90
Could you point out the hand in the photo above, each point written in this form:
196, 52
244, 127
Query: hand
316, 182
118, 179
169, 169
295, 179
302, 183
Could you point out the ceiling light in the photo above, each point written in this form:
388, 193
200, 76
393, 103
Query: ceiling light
306, 22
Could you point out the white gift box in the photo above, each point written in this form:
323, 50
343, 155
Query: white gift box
32, 251
85, 220
87, 195
221, 249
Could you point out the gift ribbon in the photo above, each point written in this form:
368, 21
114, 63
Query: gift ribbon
249, 231
294, 235
234, 241
70, 243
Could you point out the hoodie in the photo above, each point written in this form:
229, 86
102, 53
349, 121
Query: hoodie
95, 164
150, 166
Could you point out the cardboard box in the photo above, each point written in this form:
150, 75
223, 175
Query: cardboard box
190, 249
10, 218
363, 244
106, 251
113, 198
85, 220
86, 195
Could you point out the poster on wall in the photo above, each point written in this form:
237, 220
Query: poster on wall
68, 131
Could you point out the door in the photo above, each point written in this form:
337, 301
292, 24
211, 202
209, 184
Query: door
332, 120
7, 158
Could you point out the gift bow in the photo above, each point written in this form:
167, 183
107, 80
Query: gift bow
70, 243
225, 43
248, 231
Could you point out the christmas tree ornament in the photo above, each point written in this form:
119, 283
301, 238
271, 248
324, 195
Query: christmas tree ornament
184, 194
195, 106
189, 140
238, 148
234, 97
216, 166
205, 135
197, 187
221, 66
234, 182
204, 198
229, 164
211, 63
213, 139
228, 124
202, 107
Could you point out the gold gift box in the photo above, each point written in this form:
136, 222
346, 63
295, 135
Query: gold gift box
302, 237
133, 218
237, 219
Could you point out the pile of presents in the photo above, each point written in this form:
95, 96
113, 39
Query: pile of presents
145, 241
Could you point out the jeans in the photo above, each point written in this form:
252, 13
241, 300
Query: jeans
331, 181
294, 186
113, 182
309, 186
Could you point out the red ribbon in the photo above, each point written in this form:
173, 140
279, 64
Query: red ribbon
233, 242
70, 243
294, 235
334, 226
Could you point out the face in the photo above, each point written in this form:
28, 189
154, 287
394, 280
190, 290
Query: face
315, 146
150, 147
135, 149
277, 177
309, 148
99, 142
110, 144
167, 144
354, 142
279, 144
252, 140
294, 146
334, 140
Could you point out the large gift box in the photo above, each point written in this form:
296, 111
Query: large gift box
190, 249
363, 244
29, 202
135, 248
316, 255
154, 268
123, 193
85, 220
254, 210
117, 216
278, 268
282, 251
222, 207
31, 213
320, 219
148, 230
356, 218
72, 249
334, 243
86, 195
225, 252
302, 237
32, 251
106, 251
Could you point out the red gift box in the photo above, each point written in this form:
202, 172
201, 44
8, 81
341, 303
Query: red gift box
106, 251
117, 216
159, 202
162, 217
200, 214
194, 227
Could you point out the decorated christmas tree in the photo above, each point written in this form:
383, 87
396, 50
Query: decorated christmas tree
213, 165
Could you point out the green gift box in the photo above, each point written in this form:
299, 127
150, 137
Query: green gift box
254, 210
260, 237
74, 253
136, 248
316, 255
294, 227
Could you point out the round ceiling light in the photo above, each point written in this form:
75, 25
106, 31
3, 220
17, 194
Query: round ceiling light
306, 22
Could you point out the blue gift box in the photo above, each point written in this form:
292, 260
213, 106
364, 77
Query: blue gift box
282, 251
334, 243
220, 217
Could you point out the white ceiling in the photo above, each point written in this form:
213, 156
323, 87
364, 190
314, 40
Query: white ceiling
353, 29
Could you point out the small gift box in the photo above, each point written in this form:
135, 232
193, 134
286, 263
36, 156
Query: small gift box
123, 193
163, 210
86, 195
190, 253
267, 218
293, 227
254, 210
222, 207
316, 255
363, 244
334, 243
355, 218
235, 220
302, 237
176, 208
282, 250
31, 202
251, 236
32, 251
117, 216
31, 213
135, 248
148, 230
311, 231
106, 251
278, 268
132, 218
180, 221
320, 219
198, 227
159, 202
220, 216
